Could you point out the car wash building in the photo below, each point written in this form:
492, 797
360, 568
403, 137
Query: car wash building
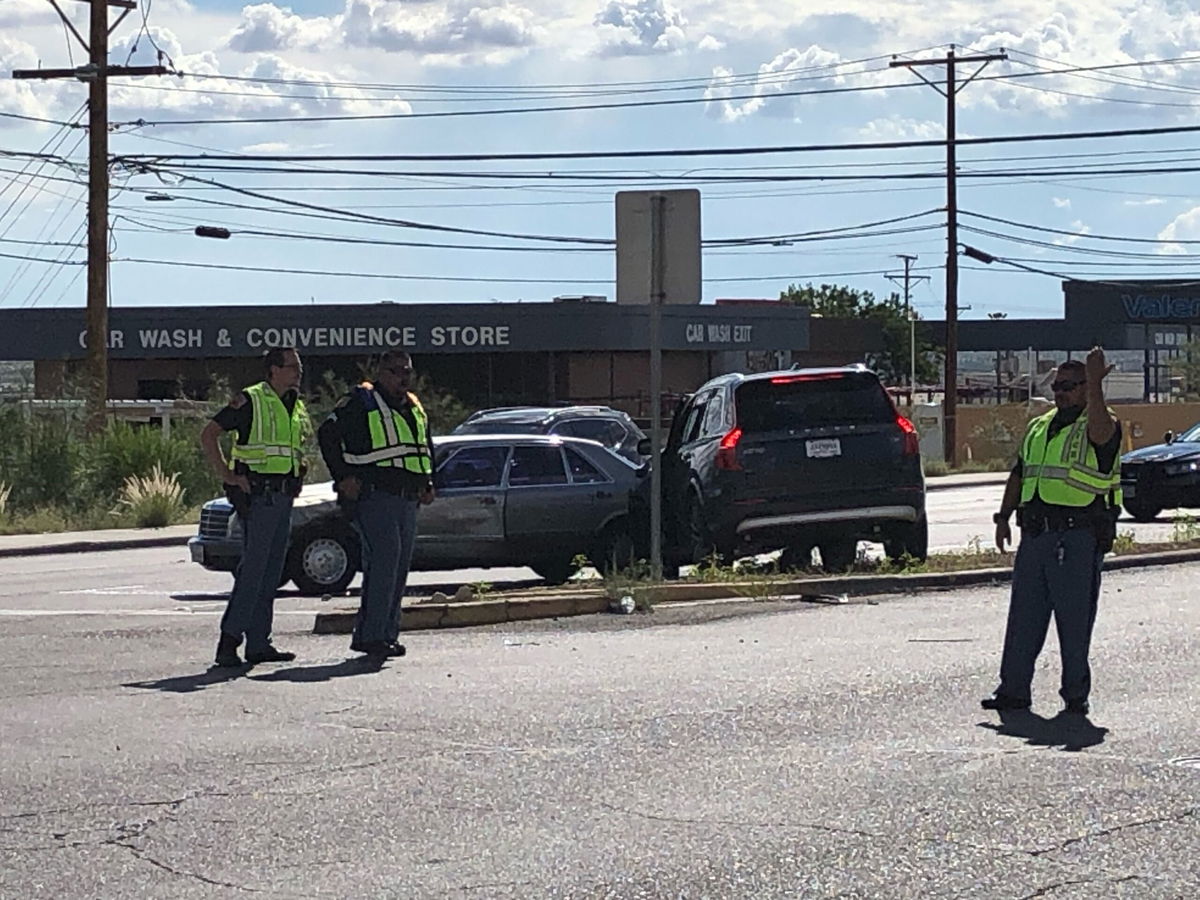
573, 350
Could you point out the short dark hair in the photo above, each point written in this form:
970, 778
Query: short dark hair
395, 355
1072, 365
276, 357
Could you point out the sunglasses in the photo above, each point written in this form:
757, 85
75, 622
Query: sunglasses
1064, 386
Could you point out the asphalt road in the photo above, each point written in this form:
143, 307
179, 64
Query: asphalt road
711, 751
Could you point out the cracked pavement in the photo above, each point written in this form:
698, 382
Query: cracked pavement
746, 751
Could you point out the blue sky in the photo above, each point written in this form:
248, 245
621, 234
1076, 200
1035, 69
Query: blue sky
410, 58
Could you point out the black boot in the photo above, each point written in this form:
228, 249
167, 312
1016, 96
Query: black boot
1003, 702
227, 651
269, 654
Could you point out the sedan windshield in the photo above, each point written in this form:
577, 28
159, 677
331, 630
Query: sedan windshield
1191, 435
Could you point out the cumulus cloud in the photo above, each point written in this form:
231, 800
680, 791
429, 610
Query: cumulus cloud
26, 12
456, 28
267, 27
1062, 202
221, 98
775, 77
641, 27
1080, 231
40, 99
1184, 227
896, 128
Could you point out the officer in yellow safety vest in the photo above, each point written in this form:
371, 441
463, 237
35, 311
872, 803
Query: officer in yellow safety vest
378, 448
1066, 489
262, 478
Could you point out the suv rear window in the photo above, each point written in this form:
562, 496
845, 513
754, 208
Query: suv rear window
800, 401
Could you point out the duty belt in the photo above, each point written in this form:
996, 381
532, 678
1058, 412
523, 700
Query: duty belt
1033, 525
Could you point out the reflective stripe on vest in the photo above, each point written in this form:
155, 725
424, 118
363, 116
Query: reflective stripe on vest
273, 445
393, 442
1063, 470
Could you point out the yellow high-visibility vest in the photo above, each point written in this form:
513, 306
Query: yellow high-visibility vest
273, 444
1063, 470
393, 442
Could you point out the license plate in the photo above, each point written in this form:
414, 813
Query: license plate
823, 449
197, 553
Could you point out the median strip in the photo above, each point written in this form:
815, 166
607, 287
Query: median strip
581, 601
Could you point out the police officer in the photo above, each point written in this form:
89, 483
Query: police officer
262, 477
377, 446
1066, 490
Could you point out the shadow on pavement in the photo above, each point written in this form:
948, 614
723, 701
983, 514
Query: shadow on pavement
186, 684
360, 665
1071, 732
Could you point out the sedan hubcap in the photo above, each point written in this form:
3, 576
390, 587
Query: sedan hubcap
325, 560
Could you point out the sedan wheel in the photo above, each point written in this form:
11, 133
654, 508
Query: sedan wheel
322, 560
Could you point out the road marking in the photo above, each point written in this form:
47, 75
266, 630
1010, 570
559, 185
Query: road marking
33, 613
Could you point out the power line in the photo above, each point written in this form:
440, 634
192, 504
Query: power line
1090, 235
672, 153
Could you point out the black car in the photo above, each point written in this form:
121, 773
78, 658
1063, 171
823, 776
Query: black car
610, 427
1163, 476
793, 460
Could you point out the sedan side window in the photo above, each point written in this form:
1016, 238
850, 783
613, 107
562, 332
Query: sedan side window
536, 466
473, 467
582, 470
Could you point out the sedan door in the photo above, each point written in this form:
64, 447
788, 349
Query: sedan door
546, 512
465, 524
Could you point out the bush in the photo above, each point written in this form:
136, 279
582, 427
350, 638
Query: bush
123, 450
153, 500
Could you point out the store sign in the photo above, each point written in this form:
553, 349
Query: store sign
195, 332
1143, 307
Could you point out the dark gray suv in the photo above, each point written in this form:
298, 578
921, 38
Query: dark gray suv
792, 461
603, 424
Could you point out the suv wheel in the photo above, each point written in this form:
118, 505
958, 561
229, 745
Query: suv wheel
323, 559
796, 558
837, 554
701, 544
555, 571
912, 540
1141, 511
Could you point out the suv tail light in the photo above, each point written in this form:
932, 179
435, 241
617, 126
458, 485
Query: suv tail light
912, 441
727, 451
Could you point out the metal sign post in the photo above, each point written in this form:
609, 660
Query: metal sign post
658, 221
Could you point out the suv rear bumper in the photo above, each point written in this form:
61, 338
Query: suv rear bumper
863, 514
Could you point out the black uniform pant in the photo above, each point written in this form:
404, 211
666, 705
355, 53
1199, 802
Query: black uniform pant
1056, 572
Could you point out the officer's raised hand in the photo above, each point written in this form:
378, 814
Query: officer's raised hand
1096, 366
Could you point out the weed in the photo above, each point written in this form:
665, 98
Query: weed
481, 589
1185, 529
153, 500
1125, 542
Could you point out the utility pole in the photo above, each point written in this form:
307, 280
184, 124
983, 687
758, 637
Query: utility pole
950, 92
96, 74
909, 259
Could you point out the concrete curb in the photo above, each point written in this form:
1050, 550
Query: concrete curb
426, 616
94, 546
